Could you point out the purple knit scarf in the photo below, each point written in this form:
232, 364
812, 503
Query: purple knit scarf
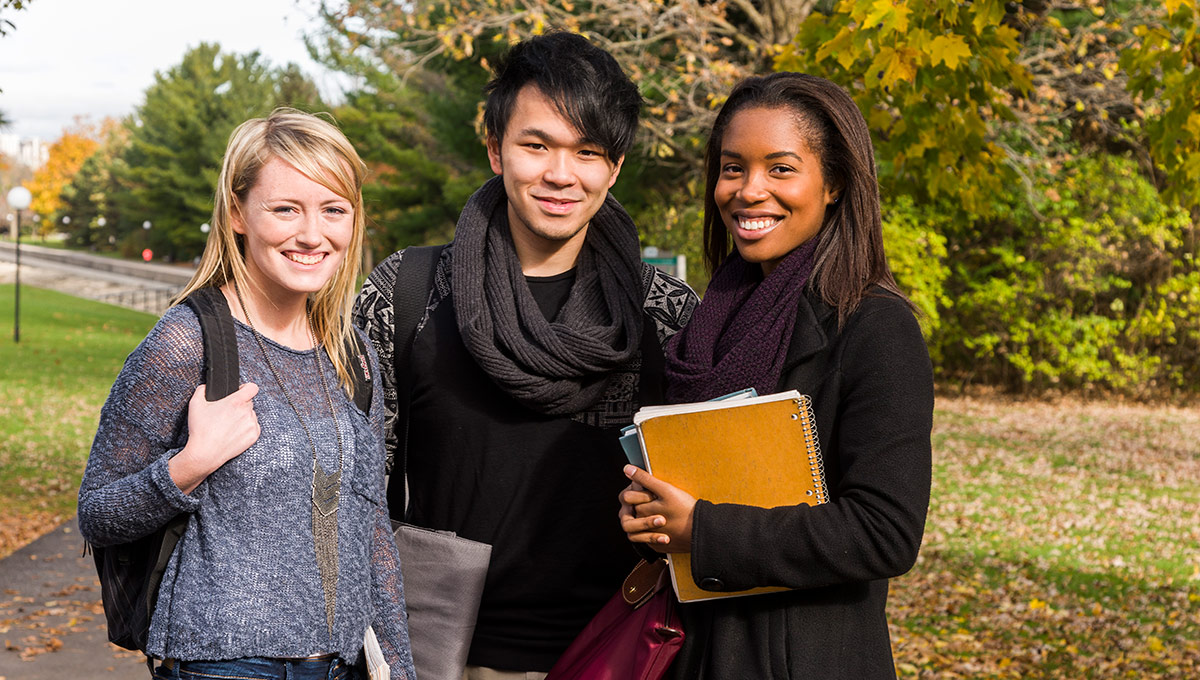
739, 335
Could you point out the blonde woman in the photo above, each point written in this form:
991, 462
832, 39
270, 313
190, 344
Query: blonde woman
288, 555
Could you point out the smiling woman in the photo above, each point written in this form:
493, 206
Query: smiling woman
771, 192
287, 555
804, 301
295, 233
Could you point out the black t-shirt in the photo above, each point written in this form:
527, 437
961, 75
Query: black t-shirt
542, 490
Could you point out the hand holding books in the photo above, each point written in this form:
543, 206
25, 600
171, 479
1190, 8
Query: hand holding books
656, 513
743, 449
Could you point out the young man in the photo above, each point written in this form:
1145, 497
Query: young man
541, 338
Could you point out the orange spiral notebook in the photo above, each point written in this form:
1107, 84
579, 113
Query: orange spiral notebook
760, 451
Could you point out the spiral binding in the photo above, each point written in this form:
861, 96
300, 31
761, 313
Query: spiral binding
816, 463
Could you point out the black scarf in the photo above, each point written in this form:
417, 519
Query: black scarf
555, 367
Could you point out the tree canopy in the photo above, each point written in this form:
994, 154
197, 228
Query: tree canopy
163, 167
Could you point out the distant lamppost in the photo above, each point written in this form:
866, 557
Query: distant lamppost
19, 199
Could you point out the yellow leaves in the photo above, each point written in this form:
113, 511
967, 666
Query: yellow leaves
65, 158
839, 46
889, 16
1154, 644
987, 13
1173, 6
892, 65
949, 49
1193, 124
1037, 604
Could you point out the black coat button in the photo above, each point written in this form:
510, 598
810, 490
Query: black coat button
711, 583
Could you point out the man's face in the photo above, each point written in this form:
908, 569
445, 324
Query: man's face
554, 179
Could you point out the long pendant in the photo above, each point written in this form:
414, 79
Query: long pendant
326, 491
326, 488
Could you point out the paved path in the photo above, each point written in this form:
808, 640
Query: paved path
142, 286
51, 620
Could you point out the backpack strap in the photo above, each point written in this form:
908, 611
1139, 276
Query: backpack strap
221, 374
221, 377
410, 297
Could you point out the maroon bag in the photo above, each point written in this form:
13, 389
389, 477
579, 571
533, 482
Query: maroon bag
634, 637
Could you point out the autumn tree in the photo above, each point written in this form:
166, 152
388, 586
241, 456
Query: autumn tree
423, 166
167, 172
66, 156
6, 24
88, 197
684, 56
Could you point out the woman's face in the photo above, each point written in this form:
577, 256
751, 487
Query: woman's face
771, 192
295, 231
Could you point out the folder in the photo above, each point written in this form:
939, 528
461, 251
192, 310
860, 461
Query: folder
760, 450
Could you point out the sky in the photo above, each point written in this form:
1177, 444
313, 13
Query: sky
97, 57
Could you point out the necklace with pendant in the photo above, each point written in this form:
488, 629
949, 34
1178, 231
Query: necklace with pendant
326, 486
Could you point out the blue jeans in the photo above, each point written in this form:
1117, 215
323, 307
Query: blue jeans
258, 668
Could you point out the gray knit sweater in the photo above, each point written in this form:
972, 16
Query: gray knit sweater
243, 580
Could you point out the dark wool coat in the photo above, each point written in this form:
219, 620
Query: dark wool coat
872, 390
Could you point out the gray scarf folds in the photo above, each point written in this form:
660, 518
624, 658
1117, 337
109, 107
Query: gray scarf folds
557, 367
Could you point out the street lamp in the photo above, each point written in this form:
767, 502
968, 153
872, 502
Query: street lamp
19, 199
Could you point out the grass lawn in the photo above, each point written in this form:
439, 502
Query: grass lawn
1063, 541
1063, 538
51, 388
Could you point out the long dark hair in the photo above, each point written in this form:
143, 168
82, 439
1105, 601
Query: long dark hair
849, 257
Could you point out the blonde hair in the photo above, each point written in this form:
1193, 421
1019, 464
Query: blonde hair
321, 152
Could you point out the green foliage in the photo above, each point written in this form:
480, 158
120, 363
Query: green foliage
424, 157
86, 198
929, 77
1081, 291
168, 169
1162, 67
670, 221
914, 239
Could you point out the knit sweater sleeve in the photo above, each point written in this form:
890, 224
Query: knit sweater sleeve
127, 491
878, 414
389, 621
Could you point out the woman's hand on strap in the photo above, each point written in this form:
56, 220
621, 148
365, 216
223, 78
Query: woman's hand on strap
218, 431
656, 513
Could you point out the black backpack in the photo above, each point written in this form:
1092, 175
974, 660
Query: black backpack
410, 296
131, 573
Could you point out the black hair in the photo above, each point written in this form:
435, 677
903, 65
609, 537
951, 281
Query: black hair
585, 83
849, 257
